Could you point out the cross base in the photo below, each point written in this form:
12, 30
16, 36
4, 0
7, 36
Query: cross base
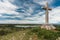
48, 27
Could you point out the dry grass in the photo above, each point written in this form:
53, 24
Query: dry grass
28, 34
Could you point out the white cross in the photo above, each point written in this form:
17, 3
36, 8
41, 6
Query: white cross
46, 8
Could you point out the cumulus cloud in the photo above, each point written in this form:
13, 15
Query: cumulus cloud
6, 7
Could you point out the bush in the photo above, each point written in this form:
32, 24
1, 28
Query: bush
45, 34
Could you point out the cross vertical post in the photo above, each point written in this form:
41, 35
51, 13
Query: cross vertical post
46, 8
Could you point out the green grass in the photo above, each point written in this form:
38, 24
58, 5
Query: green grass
8, 33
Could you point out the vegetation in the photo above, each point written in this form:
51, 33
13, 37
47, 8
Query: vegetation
46, 34
14, 33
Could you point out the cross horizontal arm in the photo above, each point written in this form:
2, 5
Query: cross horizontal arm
46, 8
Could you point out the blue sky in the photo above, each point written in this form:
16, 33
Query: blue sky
28, 11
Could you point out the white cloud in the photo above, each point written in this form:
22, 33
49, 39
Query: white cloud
8, 8
43, 2
55, 15
18, 22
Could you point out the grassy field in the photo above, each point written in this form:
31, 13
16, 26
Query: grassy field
36, 33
